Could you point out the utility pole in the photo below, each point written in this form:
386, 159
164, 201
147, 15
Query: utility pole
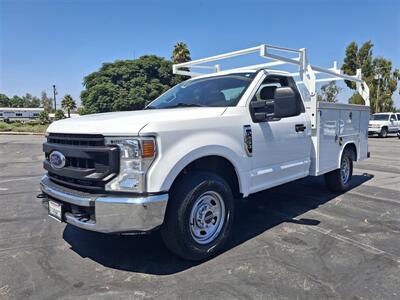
377, 94
54, 97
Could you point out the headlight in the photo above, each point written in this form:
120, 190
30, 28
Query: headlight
136, 157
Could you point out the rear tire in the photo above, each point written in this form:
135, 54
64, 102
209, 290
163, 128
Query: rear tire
339, 180
199, 216
383, 133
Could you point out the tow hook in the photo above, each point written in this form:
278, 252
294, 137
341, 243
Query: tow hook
45, 201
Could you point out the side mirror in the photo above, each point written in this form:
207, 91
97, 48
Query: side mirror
283, 105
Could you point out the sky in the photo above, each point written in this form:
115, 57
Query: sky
46, 42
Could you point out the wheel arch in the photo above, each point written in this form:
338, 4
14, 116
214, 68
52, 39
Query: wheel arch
348, 145
214, 163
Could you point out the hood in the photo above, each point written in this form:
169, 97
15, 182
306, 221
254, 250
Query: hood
378, 122
129, 122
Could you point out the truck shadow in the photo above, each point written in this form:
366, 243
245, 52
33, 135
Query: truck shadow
260, 212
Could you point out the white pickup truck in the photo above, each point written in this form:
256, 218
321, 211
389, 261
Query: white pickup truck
384, 123
179, 164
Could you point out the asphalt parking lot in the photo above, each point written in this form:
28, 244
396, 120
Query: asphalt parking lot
296, 241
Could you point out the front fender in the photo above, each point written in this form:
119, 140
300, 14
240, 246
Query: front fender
174, 157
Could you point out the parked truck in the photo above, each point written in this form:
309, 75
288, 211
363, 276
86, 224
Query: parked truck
383, 124
179, 164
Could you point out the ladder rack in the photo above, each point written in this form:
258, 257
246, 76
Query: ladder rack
308, 73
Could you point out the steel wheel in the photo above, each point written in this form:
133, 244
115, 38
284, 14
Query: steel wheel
345, 169
207, 217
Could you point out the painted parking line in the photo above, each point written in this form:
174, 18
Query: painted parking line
20, 179
355, 243
345, 239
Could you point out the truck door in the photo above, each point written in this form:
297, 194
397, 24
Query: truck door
398, 121
281, 147
392, 123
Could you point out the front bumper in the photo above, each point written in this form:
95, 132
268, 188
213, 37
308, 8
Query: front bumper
109, 213
373, 130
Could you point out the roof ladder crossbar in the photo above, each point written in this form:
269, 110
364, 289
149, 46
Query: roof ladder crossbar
307, 72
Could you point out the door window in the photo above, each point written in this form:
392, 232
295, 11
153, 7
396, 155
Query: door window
267, 88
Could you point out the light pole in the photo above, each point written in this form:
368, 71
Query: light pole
379, 76
54, 97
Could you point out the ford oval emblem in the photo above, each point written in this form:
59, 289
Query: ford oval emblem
57, 159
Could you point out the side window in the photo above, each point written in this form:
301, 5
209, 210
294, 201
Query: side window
398, 117
392, 117
267, 88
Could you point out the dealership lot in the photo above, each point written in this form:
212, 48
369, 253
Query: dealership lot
295, 241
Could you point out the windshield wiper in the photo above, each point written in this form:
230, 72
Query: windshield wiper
150, 107
181, 104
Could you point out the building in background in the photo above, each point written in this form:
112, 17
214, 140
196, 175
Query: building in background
19, 114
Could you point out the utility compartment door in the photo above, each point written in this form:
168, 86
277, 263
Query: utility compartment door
328, 131
349, 123
363, 148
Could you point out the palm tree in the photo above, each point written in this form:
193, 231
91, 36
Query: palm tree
181, 53
68, 103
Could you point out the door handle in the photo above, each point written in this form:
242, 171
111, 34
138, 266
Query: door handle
300, 127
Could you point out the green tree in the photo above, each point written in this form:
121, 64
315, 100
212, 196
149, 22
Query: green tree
127, 84
35, 102
356, 99
27, 99
374, 70
181, 53
16, 101
44, 117
329, 92
46, 102
68, 104
4, 101
59, 114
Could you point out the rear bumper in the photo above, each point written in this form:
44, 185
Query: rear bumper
108, 213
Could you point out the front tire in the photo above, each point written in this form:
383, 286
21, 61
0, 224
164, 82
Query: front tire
199, 216
338, 181
383, 133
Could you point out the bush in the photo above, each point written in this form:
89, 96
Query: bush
44, 117
59, 115
81, 110
23, 127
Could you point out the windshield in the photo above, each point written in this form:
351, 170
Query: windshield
216, 91
383, 117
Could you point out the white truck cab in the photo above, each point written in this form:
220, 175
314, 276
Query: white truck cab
384, 123
179, 164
